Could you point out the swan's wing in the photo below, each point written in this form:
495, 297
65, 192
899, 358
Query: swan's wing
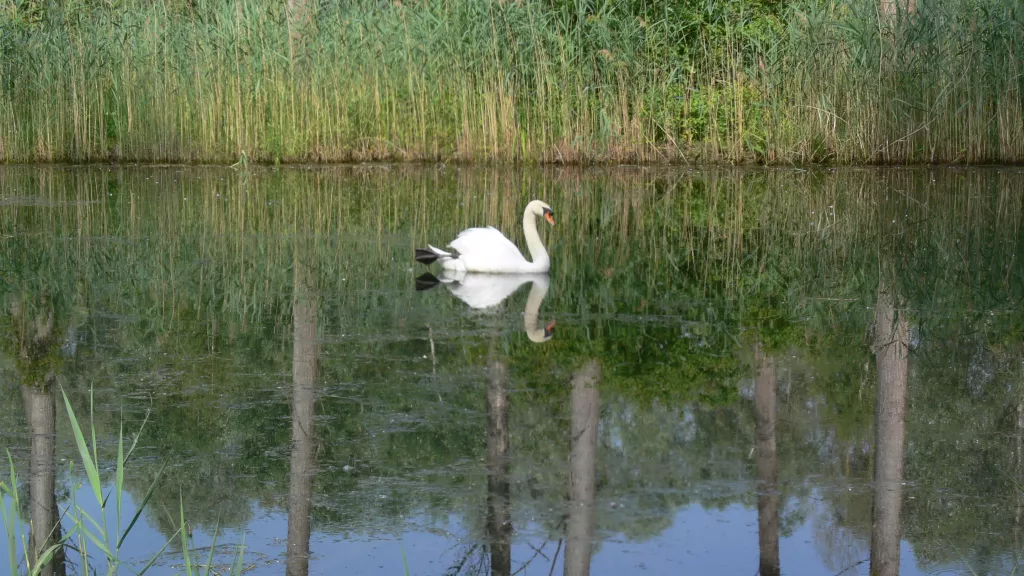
487, 243
487, 290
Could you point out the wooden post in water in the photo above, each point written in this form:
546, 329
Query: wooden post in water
767, 463
891, 356
499, 515
305, 350
585, 412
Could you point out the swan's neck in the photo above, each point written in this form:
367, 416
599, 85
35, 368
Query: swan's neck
538, 290
541, 260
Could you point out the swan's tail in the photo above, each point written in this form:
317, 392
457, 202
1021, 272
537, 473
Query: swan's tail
425, 256
429, 254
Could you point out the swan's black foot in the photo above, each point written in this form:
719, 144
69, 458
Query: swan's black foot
426, 282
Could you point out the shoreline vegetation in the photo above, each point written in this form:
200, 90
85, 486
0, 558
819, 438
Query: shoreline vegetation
528, 81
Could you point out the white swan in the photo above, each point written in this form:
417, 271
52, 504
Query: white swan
483, 291
486, 250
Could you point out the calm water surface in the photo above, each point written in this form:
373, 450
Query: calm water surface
805, 372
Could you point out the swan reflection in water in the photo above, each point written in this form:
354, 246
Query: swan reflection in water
484, 291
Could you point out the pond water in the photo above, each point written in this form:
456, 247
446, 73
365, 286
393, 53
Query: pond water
795, 371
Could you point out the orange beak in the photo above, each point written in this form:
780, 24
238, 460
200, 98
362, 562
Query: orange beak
550, 218
549, 330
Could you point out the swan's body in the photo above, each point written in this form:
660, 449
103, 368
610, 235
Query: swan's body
486, 250
485, 291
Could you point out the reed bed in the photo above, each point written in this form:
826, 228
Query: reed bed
469, 80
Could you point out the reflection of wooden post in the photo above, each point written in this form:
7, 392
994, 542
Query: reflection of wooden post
45, 529
767, 464
586, 407
36, 340
303, 463
890, 346
1019, 461
499, 516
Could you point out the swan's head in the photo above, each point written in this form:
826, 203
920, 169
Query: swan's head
539, 208
544, 335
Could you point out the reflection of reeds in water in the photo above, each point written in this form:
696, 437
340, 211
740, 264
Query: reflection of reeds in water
182, 255
173, 233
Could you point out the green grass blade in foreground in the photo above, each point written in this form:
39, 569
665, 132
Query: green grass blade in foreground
75, 512
135, 441
142, 505
236, 565
111, 560
48, 554
124, 460
213, 547
158, 554
92, 433
11, 522
91, 470
96, 540
183, 532
119, 480
16, 509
